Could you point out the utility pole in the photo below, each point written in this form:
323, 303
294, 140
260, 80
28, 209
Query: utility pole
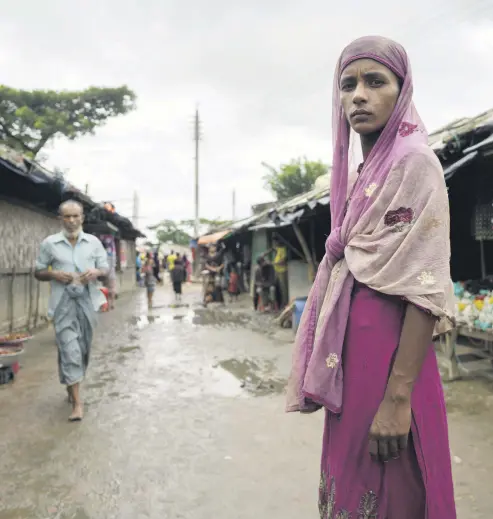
135, 210
197, 136
234, 205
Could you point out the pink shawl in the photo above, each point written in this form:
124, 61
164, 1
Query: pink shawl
393, 236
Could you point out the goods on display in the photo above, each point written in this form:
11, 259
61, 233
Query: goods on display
474, 304
11, 351
15, 338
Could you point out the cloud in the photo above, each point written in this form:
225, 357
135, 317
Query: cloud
260, 71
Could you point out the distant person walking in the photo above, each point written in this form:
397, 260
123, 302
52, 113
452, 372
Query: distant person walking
233, 288
72, 261
157, 267
171, 260
149, 278
188, 268
177, 278
138, 267
214, 267
281, 268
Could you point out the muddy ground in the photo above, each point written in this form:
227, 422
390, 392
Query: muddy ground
184, 419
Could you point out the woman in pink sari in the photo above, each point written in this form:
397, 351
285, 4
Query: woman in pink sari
364, 346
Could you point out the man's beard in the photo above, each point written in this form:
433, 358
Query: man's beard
72, 235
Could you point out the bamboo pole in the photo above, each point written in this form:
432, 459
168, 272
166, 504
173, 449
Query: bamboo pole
306, 251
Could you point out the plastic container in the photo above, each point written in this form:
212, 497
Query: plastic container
299, 305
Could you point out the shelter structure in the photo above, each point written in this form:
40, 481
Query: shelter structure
29, 199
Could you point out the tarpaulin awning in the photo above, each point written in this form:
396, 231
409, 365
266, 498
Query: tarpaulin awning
213, 238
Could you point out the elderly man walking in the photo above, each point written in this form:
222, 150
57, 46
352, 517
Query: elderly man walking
73, 261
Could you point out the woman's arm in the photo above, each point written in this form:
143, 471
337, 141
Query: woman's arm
390, 428
416, 338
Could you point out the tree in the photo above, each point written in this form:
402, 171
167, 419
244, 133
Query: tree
180, 233
294, 178
209, 224
31, 119
169, 231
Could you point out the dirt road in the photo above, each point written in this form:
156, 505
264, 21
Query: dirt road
184, 419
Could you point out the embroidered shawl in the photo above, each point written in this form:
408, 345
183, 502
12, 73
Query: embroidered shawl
392, 235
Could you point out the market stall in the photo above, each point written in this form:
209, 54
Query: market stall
474, 307
11, 348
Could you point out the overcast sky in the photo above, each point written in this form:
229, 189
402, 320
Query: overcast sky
260, 70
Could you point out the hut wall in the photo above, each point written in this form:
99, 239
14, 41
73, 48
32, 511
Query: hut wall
23, 301
126, 274
466, 188
260, 244
22, 229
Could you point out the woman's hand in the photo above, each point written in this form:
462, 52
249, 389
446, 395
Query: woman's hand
389, 431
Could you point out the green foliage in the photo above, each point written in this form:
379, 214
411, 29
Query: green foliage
294, 178
179, 233
30, 119
206, 222
169, 231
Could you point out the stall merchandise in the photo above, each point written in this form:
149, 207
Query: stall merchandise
11, 348
474, 304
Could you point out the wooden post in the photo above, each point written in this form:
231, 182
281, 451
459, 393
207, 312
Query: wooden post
483, 259
30, 311
12, 300
312, 240
38, 295
306, 251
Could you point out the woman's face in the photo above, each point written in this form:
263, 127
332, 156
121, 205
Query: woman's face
369, 92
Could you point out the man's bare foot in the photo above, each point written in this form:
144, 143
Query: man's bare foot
77, 413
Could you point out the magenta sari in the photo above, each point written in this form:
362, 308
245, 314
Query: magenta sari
389, 246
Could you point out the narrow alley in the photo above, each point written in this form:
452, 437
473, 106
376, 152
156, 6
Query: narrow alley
185, 419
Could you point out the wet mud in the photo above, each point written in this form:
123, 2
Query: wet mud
185, 419
256, 377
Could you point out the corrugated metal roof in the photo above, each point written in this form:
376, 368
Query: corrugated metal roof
286, 210
439, 138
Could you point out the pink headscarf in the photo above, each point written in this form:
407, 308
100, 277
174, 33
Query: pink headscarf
393, 236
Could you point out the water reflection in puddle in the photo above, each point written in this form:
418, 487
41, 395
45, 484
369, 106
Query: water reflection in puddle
255, 376
142, 321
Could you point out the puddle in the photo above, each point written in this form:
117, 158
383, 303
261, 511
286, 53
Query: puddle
146, 320
215, 382
96, 385
127, 349
254, 378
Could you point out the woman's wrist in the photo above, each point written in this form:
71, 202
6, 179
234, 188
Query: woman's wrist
399, 389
